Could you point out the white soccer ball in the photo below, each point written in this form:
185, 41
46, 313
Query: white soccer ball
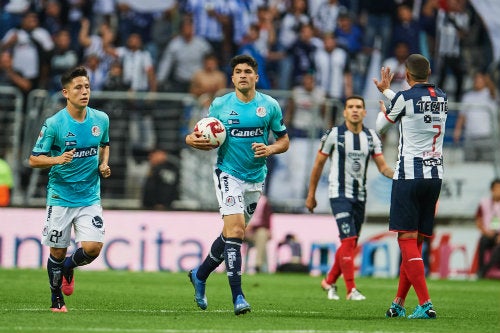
212, 129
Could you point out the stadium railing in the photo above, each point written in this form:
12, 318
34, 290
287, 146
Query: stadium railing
141, 121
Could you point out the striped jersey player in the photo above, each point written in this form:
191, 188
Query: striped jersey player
350, 147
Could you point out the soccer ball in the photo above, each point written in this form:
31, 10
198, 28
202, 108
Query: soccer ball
213, 129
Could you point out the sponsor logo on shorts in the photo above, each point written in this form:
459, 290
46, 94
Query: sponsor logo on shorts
346, 228
225, 181
230, 201
251, 208
97, 222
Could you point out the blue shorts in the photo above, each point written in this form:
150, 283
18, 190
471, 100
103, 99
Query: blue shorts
349, 215
413, 205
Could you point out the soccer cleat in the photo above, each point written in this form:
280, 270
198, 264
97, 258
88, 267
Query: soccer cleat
424, 311
68, 283
332, 293
58, 304
395, 310
355, 295
199, 289
241, 306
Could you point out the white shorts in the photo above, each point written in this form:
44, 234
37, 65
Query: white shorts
87, 221
236, 196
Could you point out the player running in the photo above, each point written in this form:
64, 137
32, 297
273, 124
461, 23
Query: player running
74, 144
249, 116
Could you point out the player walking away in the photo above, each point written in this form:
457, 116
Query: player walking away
74, 144
421, 112
349, 147
240, 170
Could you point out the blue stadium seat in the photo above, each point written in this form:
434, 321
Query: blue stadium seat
368, 267
325, 252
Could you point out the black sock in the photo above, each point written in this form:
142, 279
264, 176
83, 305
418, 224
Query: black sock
213, 259
78, 258
54, 269
232, 256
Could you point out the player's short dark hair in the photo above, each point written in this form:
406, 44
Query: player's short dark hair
418, 67
244, 59
67, 77
355, 97
494, 182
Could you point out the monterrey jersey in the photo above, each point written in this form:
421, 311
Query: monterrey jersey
77, 183
422, 111
245, 124
349, 154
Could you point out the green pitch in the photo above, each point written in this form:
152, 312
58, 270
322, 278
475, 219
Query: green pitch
112, 301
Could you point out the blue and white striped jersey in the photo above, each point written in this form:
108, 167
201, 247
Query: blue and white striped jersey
349, 154
421, 112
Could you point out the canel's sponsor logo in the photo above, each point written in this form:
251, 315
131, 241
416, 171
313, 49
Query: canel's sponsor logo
247, 132
85, 152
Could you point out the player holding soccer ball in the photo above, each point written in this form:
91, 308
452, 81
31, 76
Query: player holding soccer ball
74, 144
248, 116
421, 112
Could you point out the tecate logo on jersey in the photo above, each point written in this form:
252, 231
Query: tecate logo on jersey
247, 132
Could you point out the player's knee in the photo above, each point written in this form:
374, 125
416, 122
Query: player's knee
92, 249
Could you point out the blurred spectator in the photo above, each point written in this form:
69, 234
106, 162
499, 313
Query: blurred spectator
53, 19
452, 25
9, 76
294, 249
488, 223
165, 27
350, 36
104, 11
96, 43
377, 20
242, 14
6, 183
114, 79
406, 29
258, 233
290, 24
11, 14
207, 81
96, 71
305, 112
396, 62
162, 181
75, 11
209, 18
302, 52
428, 19
30, 45
249, 46
333, 71
62, 58
325, 18
475, 120
138, 70
182, 58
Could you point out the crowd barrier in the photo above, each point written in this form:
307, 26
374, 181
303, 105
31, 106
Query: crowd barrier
140, 121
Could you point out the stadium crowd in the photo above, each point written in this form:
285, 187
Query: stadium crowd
159, 45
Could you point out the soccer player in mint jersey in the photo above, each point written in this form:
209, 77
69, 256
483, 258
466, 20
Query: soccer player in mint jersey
249, 117
421, 112
349, 147
74, 144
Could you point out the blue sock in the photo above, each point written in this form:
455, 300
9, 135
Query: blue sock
213, 259
78, 258
54, 269
232, 256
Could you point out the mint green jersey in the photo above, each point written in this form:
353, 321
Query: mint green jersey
75, 184
245, 124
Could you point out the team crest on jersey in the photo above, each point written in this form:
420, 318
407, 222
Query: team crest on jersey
96, 131
261, 111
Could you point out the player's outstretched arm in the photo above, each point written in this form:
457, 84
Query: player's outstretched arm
196, 140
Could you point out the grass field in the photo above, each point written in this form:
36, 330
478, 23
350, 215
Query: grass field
132, 302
